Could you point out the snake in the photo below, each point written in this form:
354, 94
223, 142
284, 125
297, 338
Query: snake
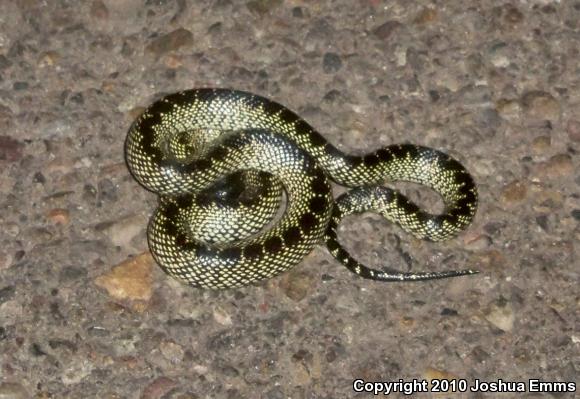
245, 193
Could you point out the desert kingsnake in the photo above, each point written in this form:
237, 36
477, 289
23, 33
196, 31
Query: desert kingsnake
219, 159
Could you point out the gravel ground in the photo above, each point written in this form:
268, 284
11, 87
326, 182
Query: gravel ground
84, 312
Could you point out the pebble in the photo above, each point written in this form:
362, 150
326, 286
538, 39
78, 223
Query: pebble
221, 316
432, 373
10, 149
426, 16
509, 109
59, 216
513, 16
501, 315
540, 105
6, 259
331, 63
130, 281
541, 144
296, 285
386, 30
122, 231
573, 130
158, 388
99, 10
262, 7
75, 373
12, 390
559, 165
474, 95
172, 351
515, 192
170, 42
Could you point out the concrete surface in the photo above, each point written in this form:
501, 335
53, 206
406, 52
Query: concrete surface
495, 83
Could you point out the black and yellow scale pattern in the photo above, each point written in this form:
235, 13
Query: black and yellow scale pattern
220, 160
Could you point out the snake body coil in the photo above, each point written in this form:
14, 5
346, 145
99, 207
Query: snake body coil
220, 159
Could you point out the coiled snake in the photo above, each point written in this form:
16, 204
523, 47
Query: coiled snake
220, 160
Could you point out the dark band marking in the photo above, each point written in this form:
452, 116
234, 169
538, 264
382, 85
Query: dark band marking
332, 245
233, 254
203, 251
201, 164
253, 250
318, 204
184, 201
292, 236
354, 160
286, 115
273, 244
385, 155
371, 160
332, 224
316, 139
308, 222
320, 185
302, 127
398, 151
219, 153
160, 107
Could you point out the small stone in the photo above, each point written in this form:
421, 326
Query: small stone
7, 293
48, 59
407, 322
158, 388
509, 109
263, 6
10, 149
297, 12
6, 259
71, 273
173, 61
543, 222
39, 178
172, 351
99, 10
12, 390
59, 216
501, 315
513, 16
541, 105
575, 214
130, 281
557, 166
386, 30
432, 373
331, 63
222, 316
541, 144
20, 86
296, 285
122, 231
170, 42
573, 130
514, 192
475, 95
426, 16
5, 121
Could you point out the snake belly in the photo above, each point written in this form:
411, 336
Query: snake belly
188, 143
